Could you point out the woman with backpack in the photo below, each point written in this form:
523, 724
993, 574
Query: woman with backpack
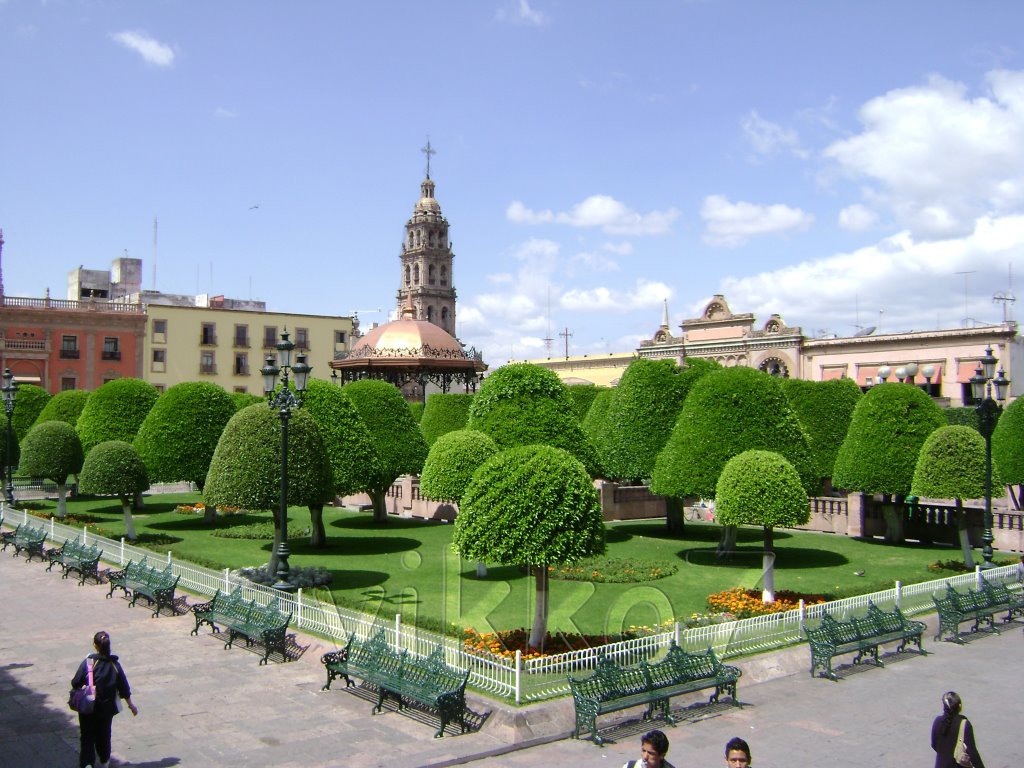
102, 671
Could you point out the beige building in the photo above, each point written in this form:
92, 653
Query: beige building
945, 360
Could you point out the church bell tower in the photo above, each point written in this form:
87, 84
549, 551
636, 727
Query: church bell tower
426, 281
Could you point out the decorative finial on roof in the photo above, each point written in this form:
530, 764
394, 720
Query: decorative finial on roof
408, 310
428, 151
664, 315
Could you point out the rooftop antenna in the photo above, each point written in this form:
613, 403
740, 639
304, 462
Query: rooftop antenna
966, 273
566, 335
1006, 297
547, 339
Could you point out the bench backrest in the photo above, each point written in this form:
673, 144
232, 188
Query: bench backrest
884, 621
819, 636
840, 631
367, 652
609, 681
30, 534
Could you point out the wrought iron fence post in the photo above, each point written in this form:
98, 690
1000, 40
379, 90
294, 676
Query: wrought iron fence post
518, 677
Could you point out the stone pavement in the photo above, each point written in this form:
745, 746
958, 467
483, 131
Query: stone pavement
202, 705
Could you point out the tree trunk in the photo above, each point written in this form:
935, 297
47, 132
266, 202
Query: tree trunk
210, 514
768, 565
138, 502
726, 543
62, 504
380, 505
965, 538
540, 613
317, 534
892, 509
674, 515
129, 524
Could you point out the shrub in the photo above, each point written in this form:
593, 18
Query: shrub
30, 403
452, 460
244, 399
64, 406
115, 411
309, 577
824, 409
582, 398
963, 416
444, 413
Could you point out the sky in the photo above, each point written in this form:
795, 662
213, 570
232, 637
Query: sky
843, 164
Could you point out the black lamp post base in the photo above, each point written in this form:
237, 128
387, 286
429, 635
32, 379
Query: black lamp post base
283, 570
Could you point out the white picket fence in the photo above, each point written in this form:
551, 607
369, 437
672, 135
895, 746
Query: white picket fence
518, 679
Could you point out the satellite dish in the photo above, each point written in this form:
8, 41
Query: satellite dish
866, 331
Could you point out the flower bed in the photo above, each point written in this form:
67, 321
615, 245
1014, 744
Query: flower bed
613, 570
744, 603
506, 642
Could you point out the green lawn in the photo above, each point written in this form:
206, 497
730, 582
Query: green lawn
408, 566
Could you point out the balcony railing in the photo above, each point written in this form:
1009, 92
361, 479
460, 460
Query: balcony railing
24, 345
208, 339
242, 341
83, 306
70, 354
111, 354
210, 368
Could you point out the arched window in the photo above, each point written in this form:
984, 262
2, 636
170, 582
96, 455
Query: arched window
430, 274
444, 275
410, 238
444, 318
431, 238
773, 366
406, 274
430, 313
416, 274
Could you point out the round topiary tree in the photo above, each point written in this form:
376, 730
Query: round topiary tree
53, 451
726, 413
531, 505
244, 399
416, 409
452, 460
1008, 449
879, 452
640, 418
824, 409
347, 441
64, 406
951, 465
180, 433
582, 398
395, 435
444, 413
113, 468
762, 488
31, 400
246, 467
961, 415
525, 404
115, 411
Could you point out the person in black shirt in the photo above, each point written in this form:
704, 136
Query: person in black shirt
111, 686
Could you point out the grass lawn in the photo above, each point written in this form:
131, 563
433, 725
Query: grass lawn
408, 566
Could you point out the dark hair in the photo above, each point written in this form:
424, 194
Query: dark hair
951, 704
102, 642
658, 740
736, 744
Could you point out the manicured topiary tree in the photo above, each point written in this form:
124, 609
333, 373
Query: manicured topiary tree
879, 453
452, 460
52, 450
951, 465
524, 404
396, 437
244, 399
347, 441
824, 409
113, 468
64, 406
31, 400
582, 398
640, 418
246, 467
115, 411
1008, 449
530, 505
726, 413
180, 433
962, 415
762, 488
416, 409
595, 424
444, 413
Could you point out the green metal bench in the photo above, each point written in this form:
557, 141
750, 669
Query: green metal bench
73, 556
155, 585
28, 539
266, 625
982, 606
428, 681
863, 635
612, 687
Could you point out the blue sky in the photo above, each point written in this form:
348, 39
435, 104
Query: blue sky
845, 164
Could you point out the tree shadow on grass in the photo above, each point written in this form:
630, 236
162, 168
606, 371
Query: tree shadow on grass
365, 522
351, 545
790, 558
496, 573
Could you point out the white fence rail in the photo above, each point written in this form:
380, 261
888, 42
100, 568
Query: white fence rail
515, 678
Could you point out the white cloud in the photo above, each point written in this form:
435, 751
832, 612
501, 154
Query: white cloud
223, 112
730, 224
857, 218
149, 48
939, 159
645, 294
768, 138
612, 216
589, 263
625, 248
520, 12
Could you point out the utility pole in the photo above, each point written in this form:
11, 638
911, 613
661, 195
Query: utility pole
566, 335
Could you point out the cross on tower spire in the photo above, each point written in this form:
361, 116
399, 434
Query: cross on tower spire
428, 151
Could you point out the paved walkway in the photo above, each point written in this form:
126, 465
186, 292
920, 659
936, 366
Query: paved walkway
201, 705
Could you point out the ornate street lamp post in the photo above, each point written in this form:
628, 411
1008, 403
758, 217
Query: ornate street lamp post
10, 393
285, 401
988, 414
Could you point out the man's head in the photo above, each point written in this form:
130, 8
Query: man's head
653, 748
737, 753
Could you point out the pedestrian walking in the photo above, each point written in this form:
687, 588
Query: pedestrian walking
737, 753
950, 730
103, 671
653, 748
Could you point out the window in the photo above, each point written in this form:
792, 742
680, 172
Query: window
159, 363
430, 275
208, 362
241, 363
208, 335
160, 388
416, 274
69, 347
67, 383
444, 275
110, 350
160, 331
241, 335
242, 390
339, 337
302, 339
430, 314
444, 317
269, 336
